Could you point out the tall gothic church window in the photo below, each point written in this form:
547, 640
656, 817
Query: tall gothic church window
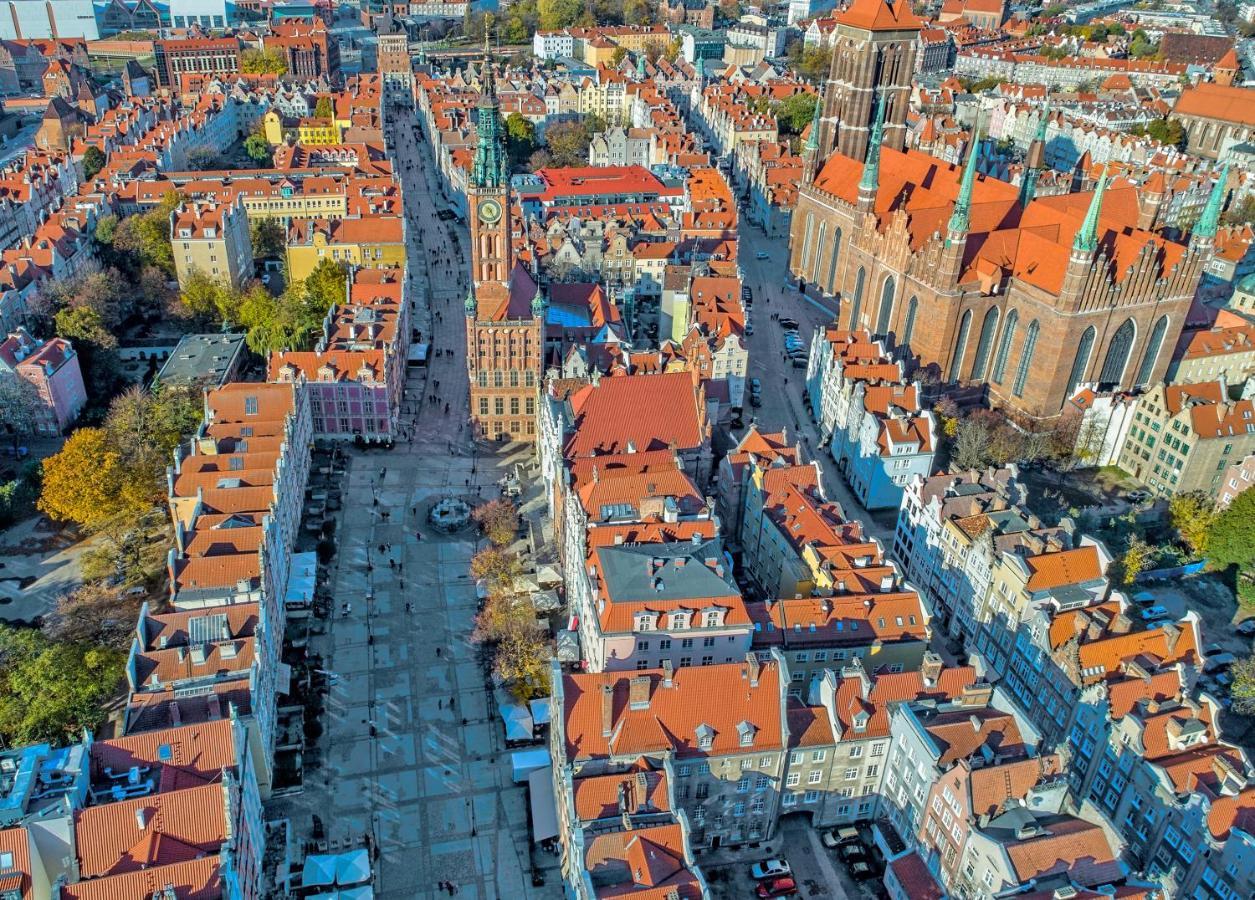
1026, 359
831, 283
1118, 354
1004, 346
819, 251
806, 243
909, 328
1152, 351
1081, 362
960, 346
858, 298
988, 329
886, 307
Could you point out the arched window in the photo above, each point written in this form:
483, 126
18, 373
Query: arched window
1026, 359
1153, 346
1081, 362
858, 298
819, 253
1004, 346
909, 328
1118, 354
960, 346
805, 262
988, 329
886, 307
831, 283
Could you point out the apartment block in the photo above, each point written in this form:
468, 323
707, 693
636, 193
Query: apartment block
212, 239
50, 368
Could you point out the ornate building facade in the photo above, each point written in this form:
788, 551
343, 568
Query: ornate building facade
505, 308
986, 282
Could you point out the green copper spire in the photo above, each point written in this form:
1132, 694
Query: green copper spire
470, 302
640, 66
1209, 221
1087, 238
490, 168
961, 218
871, 169
812, 139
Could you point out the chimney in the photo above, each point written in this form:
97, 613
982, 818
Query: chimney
976, 721
607, 709
141, 818
976, 695
930, 668
753, 668
668, 673
638, 692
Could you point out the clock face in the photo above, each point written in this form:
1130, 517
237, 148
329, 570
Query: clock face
489, 211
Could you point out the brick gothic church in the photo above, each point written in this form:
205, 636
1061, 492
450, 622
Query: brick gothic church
505, 310
984, 281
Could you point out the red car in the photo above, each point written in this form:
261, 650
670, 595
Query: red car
777, 887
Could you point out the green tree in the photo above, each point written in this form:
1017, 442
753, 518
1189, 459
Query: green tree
93, 161
258, 149
1231, 539
1240, 212
263, 62
324, 109
1192, 515
1167, 131
147, 236
794, 113
201, 296
52, 691
556, 14
639, 12
567, 143
144, 427
1137, 558
326, 285
520, 139
269, 239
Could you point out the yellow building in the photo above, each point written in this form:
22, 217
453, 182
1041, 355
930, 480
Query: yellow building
315, 132
372, 242
599, 52
272, 128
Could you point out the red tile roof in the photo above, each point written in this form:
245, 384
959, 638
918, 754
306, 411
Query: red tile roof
720, 697
156, 830
197, 879
650, 412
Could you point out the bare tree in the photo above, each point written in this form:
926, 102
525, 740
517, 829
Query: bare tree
20, 406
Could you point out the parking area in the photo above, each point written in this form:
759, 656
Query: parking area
817, 871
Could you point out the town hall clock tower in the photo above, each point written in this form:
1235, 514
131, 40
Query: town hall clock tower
505, 309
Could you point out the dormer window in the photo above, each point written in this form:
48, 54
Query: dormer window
712, 619
679, 620
745, 734
705, 736
644, 622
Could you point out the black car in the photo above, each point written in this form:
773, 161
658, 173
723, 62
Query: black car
787, 323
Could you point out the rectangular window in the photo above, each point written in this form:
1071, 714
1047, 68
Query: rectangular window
793, 779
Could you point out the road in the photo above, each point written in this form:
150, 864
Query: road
782, 384
412, 752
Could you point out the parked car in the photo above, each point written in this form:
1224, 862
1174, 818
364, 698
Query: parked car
762, 254
1138, 496
1246, 628
770, 868
861, 871
777, 887
787, 323
1219, 662
1151, 613
846, 834
852, 853
799, 362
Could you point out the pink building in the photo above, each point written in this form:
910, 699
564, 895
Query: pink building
51, 368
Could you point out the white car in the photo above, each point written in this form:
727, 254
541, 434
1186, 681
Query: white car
1155, 612
762, 254
770, 868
